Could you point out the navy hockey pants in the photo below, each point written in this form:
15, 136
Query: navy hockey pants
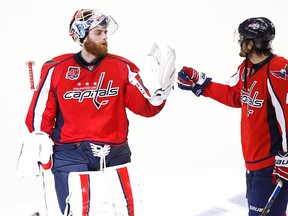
78, 158
259, 189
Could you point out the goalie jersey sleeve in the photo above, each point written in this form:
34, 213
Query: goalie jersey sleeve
74, 102
264, 108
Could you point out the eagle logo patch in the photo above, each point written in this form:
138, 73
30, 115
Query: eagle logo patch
281, 74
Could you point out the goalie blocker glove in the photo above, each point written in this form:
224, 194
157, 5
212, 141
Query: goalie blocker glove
36, 150
190, 79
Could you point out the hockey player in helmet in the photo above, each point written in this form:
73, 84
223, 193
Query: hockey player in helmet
85, 20
261, 31
259, 88
81, 105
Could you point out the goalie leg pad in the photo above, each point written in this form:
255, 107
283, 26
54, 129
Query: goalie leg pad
104, 193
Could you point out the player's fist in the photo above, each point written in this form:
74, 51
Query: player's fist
281, 167
191, 79
191, 73
184, 80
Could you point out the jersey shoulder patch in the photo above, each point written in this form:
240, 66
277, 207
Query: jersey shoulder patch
279, 68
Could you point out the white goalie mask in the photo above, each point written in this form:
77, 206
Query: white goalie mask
86, 19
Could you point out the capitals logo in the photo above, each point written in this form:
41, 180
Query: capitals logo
73, 73
99, 94
281, 74
252, 100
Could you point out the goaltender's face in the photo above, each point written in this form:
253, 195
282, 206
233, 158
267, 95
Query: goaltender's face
96, 42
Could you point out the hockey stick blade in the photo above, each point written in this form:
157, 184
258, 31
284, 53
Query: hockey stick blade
272, 198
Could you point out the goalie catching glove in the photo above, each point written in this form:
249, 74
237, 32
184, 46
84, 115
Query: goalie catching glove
36, 150
161, 62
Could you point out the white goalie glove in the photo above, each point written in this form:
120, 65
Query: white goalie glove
36, 150
158, 74
161, 61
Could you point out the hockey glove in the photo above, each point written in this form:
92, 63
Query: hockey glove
161, 62
159, 96
281, 167
190, 79
158, 74
36, 150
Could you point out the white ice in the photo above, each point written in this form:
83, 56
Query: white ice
188, 158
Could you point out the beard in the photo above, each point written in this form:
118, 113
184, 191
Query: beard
244, 50
96, 49
242, 53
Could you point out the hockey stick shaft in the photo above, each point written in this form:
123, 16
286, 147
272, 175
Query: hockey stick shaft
30, 64
272, 198
44, 190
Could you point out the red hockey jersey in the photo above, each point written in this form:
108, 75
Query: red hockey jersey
76, 102
264, 105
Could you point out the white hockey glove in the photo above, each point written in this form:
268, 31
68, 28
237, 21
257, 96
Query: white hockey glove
158, 74
36, 150
159, 96
161, 62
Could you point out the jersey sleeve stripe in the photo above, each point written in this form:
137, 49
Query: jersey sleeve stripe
41, 101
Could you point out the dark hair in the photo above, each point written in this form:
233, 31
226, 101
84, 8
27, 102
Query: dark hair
267, 50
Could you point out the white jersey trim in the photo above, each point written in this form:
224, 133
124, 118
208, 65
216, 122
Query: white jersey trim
42, 100
279, 115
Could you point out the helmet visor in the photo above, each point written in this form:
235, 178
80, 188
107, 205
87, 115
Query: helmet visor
237, 37
102, 21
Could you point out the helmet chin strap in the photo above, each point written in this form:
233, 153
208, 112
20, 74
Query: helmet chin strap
246, 65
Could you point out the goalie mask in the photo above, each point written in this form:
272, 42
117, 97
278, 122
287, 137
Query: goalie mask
86, 19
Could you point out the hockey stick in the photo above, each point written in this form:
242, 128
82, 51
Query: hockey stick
44, 189
272, 198
30, 64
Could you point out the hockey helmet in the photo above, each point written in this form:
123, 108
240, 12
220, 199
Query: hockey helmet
258, 29
86, 19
